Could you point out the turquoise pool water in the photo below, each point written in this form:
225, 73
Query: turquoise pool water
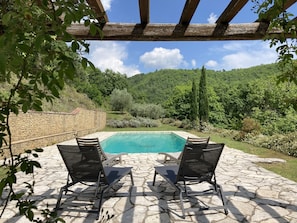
143, 143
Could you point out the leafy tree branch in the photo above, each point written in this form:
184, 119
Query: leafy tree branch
37, 55
274, 12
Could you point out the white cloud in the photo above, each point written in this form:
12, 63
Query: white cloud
160, 58
111, 55
244, 55
193, 62
211, 63
250, 55
212, 18
106, 4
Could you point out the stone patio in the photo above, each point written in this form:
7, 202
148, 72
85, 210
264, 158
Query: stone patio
253, 194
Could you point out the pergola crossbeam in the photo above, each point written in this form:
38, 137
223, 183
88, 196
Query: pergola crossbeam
172, 32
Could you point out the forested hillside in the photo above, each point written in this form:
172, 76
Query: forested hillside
158, 86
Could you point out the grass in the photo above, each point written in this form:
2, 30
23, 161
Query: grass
287, 170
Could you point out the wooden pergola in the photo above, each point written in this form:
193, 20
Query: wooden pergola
184, 30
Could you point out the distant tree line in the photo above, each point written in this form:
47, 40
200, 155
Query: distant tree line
232, 97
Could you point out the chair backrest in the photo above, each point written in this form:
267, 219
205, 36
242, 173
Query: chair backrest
83, 165
197, 140
81, 142
199, 161
194, 140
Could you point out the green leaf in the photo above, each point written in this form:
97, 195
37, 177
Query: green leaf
30, 215
74, 46
35, 155
93, 29
36, 164
39, 150
37, 107
84, 62
55, 92
6, 18
44, 78
18, 196
25, 107
87, 22
11, 178
2, 63
92, 65
2, 185
24, 47
24, 166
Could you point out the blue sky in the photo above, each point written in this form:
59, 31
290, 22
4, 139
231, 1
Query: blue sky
133, 57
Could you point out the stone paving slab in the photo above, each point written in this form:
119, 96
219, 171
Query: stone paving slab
253, 194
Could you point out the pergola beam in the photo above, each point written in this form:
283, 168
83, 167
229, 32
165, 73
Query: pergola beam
98, 8
231, 11
173, 32
188, 11
144, 11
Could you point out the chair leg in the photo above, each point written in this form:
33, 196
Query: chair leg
59, 198
220, 191
181, 202
154, 178
131, 176
100, 203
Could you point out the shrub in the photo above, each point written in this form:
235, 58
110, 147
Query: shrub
133, 123
186, 124
250, 125
151, 111
286, 144
168, 121
177, 123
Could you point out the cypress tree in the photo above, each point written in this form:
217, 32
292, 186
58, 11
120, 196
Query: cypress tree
194, 105
203, 100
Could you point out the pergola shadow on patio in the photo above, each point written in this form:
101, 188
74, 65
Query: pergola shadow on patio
253, 193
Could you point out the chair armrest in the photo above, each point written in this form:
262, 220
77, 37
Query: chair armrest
171, 157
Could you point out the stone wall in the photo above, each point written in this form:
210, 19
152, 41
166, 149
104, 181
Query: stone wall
38, 129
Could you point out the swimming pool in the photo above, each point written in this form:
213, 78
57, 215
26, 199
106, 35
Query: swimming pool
143, 143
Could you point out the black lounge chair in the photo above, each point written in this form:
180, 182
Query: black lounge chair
107, 158
198, 164
85, 166
176, 157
